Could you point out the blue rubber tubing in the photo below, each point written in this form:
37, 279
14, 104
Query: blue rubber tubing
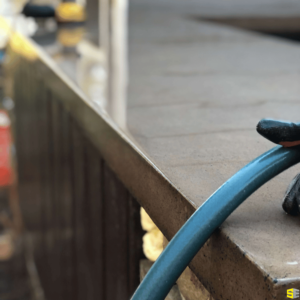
208, 217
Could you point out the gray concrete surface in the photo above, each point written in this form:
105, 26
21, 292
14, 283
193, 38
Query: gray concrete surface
220, 8
197, 91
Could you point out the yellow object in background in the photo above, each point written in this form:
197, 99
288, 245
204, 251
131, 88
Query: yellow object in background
147, 223
22, 46
70, 37
70, 12
153, 239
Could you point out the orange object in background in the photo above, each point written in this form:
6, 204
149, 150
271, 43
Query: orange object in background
5, 143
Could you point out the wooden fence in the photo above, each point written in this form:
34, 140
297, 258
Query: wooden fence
84, 223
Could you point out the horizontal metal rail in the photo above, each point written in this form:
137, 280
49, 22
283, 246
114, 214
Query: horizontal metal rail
207, 218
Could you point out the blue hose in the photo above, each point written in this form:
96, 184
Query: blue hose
207, 218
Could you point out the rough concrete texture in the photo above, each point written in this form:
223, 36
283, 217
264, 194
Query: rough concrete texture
191, 288
197, 91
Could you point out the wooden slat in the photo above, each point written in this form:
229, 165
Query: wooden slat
116, 237
94, 181
42, 255
84, 222
83, 272
56, 197
49, 210
27, 139
67, 258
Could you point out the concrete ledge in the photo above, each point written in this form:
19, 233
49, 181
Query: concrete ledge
196, 92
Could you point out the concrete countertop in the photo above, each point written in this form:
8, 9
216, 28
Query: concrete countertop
196, 92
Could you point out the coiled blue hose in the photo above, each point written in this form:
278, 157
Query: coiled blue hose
207, 218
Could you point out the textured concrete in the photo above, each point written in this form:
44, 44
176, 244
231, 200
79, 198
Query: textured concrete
191, 288
197, 91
